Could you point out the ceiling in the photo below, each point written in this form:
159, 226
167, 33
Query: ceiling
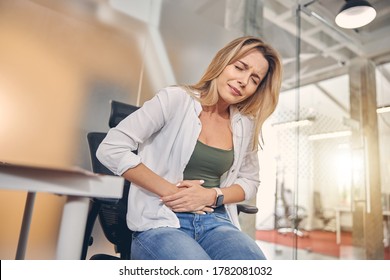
326, 49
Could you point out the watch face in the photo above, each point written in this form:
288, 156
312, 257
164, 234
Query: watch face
219, 201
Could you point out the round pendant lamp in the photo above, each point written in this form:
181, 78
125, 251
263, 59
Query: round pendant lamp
355, 14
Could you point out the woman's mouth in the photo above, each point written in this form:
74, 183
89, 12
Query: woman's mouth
235, 91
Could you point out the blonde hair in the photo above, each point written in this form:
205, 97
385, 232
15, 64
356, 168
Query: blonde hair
260, 105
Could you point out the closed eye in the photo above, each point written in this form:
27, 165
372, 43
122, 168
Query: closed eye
255, 81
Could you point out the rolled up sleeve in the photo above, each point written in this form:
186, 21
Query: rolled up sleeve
248, 175
116, 151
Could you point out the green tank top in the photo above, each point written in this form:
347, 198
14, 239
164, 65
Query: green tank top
209, 164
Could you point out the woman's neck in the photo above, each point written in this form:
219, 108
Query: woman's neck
220, 109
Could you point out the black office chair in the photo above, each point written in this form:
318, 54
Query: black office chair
119, 111
326, 216
292, 215
112, 212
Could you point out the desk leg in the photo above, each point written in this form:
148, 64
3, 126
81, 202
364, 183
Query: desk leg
338, 227
386, 231
71, 235
25, 229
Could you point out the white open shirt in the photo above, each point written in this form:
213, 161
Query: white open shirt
165, 130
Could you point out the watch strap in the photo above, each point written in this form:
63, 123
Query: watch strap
218, 197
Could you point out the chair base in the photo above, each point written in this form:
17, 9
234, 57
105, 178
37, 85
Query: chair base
104, 257
294, 231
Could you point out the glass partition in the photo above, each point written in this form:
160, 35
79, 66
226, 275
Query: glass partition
325, 150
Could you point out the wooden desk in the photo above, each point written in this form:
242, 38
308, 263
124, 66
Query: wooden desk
77, 184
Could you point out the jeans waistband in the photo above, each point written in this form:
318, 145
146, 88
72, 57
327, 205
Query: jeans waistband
221, 209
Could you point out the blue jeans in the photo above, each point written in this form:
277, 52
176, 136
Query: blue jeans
200, 237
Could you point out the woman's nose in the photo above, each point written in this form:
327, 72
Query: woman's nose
243, 80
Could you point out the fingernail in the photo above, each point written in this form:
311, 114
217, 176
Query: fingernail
201, 181
178, 184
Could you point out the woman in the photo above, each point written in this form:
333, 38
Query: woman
197, 157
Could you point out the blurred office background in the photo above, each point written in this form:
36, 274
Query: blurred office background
61, 62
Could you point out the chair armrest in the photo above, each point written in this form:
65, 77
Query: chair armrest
246, 208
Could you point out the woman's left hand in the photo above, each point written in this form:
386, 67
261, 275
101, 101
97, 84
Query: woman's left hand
192, 197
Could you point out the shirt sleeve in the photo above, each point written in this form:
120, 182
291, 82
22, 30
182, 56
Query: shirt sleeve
116, 151
248, 174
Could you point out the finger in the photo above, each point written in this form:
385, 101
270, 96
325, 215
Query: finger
185, 207
199, 212
208, 209
171, 197
183, 184
174, 203
189, 183
194, 212
197, 182
182, 209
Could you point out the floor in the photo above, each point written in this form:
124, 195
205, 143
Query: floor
315, 246
272, 251
280, 252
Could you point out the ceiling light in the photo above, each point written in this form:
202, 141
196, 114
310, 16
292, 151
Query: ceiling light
383, 110
330, 135
355, 14
293, 124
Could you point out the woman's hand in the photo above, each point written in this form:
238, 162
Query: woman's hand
192, 197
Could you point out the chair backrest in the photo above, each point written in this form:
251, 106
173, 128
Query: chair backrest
119, 111
317, 203
94, 140
291, 210
288, 199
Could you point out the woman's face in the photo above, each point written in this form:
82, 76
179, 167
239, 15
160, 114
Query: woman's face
240, 80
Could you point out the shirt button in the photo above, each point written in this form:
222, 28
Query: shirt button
232, 171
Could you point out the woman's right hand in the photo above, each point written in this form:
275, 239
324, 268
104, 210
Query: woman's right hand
192, 197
